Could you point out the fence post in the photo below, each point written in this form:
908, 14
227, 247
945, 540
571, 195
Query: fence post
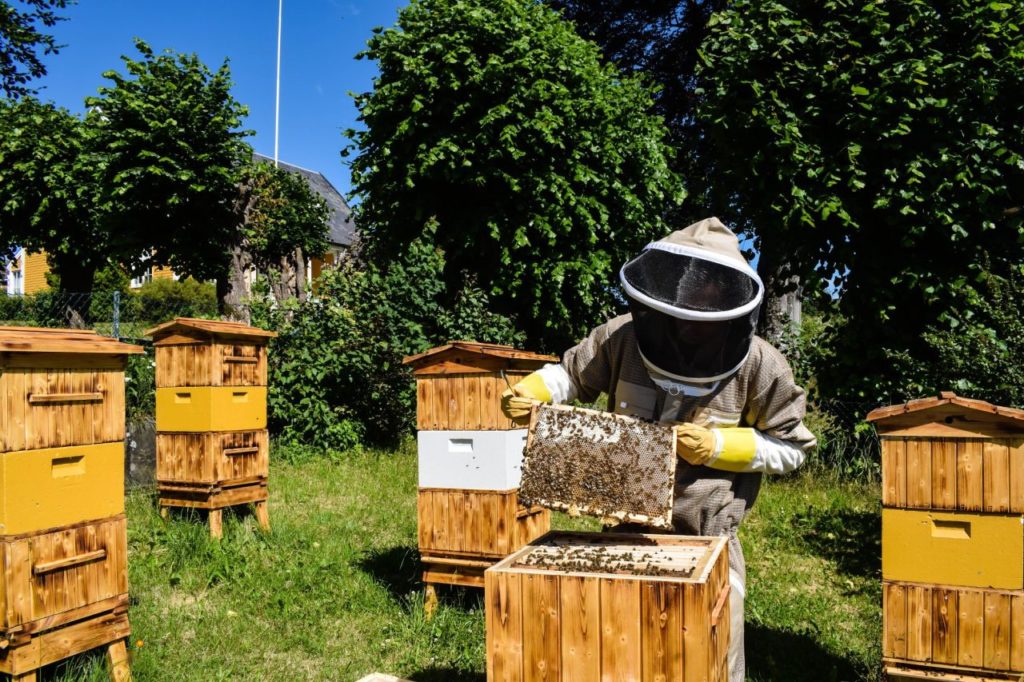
117, 315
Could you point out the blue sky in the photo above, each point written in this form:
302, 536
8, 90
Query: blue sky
318, 67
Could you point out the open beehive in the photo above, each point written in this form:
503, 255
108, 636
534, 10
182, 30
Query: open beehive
600, 464
63, 540
610, 606
952, 539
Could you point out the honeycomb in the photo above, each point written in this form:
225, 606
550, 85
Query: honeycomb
600, 464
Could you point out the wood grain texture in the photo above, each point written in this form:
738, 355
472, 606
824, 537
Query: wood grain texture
995, 477
54, 572
919, 473
580, 604
504, 616
620, 631
661, 607
212, 457
607, 627
34, 417
944, 625
969, 475
971, 628
997, 631
894, 472
894, 620
944, 474
542, 655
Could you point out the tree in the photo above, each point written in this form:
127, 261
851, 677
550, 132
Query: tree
980, 354
542, 168
283, 222
169, 152
21, 40
879, 146
47, 194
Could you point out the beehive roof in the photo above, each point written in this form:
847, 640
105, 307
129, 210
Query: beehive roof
42, 340
947, 411
466, 354
192, 326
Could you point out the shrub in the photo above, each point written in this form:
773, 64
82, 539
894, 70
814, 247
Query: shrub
163, 299
336, 373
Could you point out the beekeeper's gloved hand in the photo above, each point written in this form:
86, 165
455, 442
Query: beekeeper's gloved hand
730, 449
516, 402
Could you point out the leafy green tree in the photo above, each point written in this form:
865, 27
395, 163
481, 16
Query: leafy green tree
542, 168
47, 194
168, 152
876, 145
283, 222
979, 352
21, 41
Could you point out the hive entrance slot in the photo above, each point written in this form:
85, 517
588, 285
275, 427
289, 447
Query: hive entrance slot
62, 467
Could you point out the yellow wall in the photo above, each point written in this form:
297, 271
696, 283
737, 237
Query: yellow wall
36, 267
163, 273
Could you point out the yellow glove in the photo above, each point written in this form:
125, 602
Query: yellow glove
516, 402
697, 445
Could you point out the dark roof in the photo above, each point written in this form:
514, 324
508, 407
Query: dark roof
341, 229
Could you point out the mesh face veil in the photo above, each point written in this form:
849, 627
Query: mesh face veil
694, 309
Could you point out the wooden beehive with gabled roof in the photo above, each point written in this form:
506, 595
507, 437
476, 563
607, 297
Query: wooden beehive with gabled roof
459, 384
470, 456
63, 541
212, 447
952, 539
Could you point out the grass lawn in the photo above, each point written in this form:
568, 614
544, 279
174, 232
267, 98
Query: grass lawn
333, 593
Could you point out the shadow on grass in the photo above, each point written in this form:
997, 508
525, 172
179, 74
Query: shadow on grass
850, 539
399, 570
447, 675
780, 655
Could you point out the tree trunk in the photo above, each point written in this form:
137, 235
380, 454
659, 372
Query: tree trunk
234, 294
781, 309
289, 281
76, 278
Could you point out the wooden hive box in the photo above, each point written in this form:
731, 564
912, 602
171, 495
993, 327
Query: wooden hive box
609, 606
952, 539
63, 541
211, 416
470, 457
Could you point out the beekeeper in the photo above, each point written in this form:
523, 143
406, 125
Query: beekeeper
686, 353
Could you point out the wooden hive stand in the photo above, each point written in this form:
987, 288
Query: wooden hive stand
63, 539
212, 450
470, 457
952, 540
610, 606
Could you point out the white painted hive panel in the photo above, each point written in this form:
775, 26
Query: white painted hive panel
471, 460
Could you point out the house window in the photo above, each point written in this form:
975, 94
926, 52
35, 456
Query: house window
16, 275
146, 276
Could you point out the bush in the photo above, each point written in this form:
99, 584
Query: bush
336, 373
163, 299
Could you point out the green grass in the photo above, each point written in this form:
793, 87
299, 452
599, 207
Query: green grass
332, 593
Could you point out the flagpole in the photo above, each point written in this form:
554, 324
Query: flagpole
277, 98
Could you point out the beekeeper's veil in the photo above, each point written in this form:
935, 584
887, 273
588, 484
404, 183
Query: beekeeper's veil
694, 301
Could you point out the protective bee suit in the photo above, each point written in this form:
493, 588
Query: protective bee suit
686, 353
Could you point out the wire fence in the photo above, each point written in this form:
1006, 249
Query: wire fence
111, 313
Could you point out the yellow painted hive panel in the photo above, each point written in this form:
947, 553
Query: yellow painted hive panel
973, 550
211, 408
43, 489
